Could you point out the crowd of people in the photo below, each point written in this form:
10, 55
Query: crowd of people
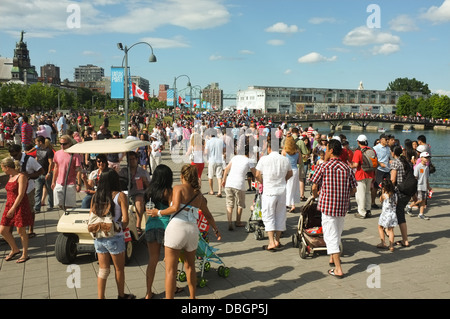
242, 153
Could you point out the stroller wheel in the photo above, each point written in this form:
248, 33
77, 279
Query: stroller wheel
295, 241
207, 266
302, 250
224, 271
259, 235
182, 276
202, 282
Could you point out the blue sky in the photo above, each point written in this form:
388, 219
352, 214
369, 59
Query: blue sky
239, 43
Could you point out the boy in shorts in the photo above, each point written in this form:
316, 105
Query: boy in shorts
422, 173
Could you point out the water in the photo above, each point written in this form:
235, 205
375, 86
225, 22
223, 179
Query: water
438, 140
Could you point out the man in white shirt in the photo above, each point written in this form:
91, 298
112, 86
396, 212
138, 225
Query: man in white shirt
155, 154
214, 149
273, 170
233, 180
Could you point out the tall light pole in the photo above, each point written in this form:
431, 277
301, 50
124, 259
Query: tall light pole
127, 88
175, 88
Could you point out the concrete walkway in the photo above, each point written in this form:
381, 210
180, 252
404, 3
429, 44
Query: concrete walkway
417, 272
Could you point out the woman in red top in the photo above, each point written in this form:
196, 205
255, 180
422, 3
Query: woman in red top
17, 210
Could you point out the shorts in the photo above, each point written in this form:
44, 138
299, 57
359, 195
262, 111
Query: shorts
215, 169
379, 177
421, 195
155, 235
71, 193
181, 235
332, 232
114, 245
234, 196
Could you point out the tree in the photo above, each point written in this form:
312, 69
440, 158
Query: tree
408, 85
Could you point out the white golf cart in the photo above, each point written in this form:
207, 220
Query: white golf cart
73, 237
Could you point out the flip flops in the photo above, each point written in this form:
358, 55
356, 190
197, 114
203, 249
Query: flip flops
22, 260
12, 255
331, 273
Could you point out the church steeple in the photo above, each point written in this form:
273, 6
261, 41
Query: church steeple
22, 69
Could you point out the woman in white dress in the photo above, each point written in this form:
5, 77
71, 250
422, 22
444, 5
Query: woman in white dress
291, 151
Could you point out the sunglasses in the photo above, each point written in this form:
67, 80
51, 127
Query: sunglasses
100, 161
64, 144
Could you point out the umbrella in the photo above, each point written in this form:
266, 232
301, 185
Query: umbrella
9, 113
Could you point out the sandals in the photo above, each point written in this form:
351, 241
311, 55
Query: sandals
12, 255
127, 296
382, 245
139, 231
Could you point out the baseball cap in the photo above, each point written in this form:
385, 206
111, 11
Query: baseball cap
424, 154
421, 148
362, 138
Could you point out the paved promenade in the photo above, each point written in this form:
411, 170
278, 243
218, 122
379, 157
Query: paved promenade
417, 272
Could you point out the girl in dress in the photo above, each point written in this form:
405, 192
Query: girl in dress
17, 211
388, 218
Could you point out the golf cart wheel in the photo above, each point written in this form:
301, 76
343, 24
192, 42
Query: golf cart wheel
128, 251
302, 250
66, 248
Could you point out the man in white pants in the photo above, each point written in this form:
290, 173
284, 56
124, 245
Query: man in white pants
273, 170
364, 179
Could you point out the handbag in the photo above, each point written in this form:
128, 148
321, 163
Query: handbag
103, 225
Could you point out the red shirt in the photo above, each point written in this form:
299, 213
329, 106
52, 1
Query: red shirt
335, 180
27, 134
360, 174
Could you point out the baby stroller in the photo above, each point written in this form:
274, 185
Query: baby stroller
309, 236
205, 254
255, 223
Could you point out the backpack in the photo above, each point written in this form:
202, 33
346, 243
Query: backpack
369, 159
103, 225
409, 184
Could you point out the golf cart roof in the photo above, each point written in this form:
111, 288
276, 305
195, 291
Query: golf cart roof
107, 146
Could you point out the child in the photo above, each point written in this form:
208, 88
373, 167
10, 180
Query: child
388, 218
422, 173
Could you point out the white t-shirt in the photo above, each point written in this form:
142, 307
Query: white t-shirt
214, 147
156, 146
236, 178
274, 168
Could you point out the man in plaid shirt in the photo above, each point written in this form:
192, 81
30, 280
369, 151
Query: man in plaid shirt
333, 182
27, 132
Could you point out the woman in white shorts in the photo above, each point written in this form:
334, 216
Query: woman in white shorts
182, 233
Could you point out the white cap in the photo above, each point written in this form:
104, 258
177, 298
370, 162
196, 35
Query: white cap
421, 148
362, 138
424, 154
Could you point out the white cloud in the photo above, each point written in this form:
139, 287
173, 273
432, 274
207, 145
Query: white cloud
275, 42
282, 27
161, 43
403, 23
246, 52
385, 49
438, 14
441, 92
318, 20
363, 35
288, 71
315, 57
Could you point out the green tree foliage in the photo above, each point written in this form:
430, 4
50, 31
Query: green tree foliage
436, 106
408, 85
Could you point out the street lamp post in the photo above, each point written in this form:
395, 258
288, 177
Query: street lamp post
175, 88
127, 88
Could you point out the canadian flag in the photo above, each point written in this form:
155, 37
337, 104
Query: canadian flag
418, 114
137, 91
181, 101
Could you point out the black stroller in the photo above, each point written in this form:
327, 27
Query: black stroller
309, 236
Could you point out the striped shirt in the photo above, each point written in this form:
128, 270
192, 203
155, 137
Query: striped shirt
27, 134
335, 180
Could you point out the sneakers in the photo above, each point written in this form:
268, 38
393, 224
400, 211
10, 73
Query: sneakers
422, 216
408, 210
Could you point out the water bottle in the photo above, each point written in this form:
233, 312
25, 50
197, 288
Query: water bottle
430, 193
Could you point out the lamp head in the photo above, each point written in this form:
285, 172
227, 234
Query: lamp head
120, 46
152, 58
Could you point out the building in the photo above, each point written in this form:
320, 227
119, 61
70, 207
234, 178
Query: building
142, 83
22, 71
212, 95
285, 100
162, 92
88, 73
6, 65
50, 74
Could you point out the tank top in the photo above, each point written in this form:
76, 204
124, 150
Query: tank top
117, 210
293, 160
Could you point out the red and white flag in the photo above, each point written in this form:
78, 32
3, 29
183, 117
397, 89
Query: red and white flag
181, 101
137, 91
418, 114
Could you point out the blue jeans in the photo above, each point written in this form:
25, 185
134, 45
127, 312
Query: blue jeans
39, 184
86, 202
